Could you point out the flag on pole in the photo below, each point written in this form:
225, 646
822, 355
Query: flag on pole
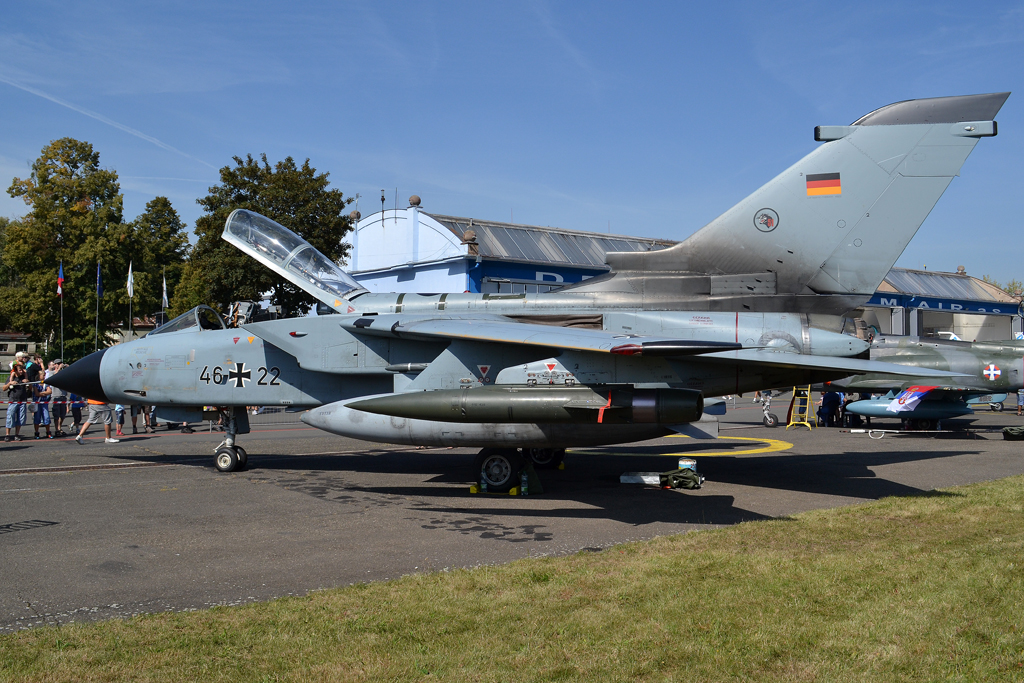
165, 304
60, 280
99, 283
131, 281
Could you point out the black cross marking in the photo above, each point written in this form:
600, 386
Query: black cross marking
240, 374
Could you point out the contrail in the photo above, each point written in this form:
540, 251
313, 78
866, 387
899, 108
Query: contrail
102, 119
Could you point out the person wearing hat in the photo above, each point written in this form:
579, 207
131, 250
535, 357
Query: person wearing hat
19, 357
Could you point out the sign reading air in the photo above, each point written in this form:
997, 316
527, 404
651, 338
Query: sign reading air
820, 184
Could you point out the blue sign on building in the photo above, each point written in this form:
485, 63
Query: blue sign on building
930, 303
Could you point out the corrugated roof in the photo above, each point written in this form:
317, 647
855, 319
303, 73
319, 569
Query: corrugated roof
944, 285
534, 243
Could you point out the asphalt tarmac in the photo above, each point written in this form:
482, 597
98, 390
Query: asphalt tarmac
104, 531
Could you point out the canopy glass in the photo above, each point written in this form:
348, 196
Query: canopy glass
284, 252
202, 317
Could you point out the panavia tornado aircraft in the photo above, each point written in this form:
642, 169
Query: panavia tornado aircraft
986, 369
749, 301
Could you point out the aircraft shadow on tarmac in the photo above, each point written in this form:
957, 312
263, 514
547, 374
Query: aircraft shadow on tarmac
590, 481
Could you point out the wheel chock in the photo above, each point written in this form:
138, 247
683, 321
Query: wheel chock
475, 489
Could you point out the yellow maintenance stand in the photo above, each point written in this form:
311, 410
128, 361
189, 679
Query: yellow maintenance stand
801, 408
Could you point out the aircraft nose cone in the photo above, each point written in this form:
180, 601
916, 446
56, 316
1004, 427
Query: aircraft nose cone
82, 377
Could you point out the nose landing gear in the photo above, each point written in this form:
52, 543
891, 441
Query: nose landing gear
227, 456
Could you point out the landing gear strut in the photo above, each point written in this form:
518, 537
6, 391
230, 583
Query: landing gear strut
769, 418
227, 456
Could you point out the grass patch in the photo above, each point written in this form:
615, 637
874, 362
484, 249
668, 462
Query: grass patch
921, 588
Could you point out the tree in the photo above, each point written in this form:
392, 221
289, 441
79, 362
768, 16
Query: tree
296, 197
75, 217
6, 275
161, 241
1013, 287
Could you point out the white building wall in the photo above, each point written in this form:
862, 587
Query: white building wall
982, 327
391, 238
431, 278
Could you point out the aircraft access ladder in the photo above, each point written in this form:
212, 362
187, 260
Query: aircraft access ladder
801, 408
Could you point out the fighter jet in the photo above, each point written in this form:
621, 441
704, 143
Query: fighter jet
742, 305
986, 369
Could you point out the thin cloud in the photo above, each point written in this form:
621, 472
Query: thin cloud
102, 119
574, 54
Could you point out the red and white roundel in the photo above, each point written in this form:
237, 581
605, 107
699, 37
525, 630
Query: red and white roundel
992, 371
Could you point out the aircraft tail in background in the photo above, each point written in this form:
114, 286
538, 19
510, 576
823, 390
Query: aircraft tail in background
832, 224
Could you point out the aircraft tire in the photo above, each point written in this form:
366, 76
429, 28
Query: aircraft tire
225, 459
771, 420
545, 458
996, 407
243, 457
499, 468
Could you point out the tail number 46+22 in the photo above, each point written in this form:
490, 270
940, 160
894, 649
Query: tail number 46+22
240, 375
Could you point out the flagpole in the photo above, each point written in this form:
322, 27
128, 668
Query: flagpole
97, 346
131, 298
60, 291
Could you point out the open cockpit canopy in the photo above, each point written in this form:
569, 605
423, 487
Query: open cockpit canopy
292, 257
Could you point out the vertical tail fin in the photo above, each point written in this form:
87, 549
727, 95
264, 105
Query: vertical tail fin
836, 221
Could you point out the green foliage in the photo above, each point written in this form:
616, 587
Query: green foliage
162, 248
6, 274
296, 197
191, 290
1014, 287
75, 218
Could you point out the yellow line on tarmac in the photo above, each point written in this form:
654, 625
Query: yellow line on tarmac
771, 446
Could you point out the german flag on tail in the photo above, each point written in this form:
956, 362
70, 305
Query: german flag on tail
819, 184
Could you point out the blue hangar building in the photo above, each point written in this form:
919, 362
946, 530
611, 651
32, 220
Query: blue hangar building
410, 250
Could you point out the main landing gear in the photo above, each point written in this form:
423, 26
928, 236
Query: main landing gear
500, 469
227, 456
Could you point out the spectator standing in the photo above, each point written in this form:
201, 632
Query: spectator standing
119, 419
136, 411
98, 410
59, 403
41, 393
18, 392
830, 404
75, 401
34, 368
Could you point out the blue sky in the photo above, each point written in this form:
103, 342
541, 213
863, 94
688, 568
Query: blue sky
645, 118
